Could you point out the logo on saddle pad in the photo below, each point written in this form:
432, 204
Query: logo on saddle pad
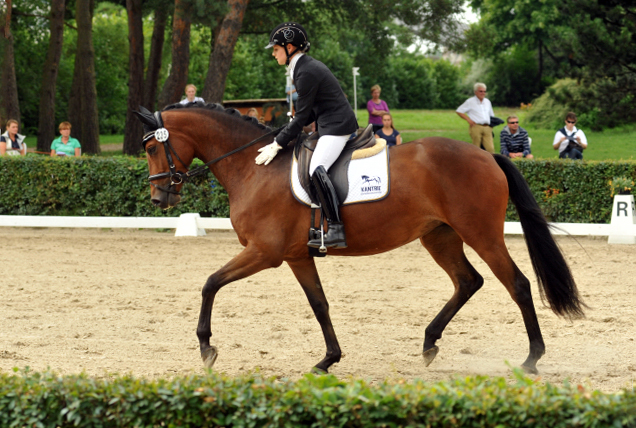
370, 185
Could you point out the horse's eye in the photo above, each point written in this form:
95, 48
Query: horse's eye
151, 150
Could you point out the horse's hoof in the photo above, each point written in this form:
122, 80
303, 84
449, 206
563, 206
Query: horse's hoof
319, 371
429, 355
530, 369
209, 356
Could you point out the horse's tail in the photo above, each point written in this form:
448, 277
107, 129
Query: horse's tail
553, 273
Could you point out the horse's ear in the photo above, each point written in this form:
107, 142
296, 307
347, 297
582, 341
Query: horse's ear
146, 117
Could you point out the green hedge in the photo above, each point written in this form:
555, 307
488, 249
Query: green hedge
96, 186
48, 400
567, 191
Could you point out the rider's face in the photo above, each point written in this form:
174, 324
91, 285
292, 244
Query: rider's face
279, 53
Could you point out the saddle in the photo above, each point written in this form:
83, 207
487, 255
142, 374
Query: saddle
361, 145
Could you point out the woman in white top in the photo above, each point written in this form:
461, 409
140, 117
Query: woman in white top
569, 140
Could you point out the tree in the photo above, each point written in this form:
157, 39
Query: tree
83, 101
175, 84
9, 105
46, 122
223, 50
133, 131
154, 59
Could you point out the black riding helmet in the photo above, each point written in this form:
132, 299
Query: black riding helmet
289, 33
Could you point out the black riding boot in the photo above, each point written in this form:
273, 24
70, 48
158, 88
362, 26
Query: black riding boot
335, 236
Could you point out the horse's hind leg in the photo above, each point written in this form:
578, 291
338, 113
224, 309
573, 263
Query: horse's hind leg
246, 263
496, 255
446, 247
306, 273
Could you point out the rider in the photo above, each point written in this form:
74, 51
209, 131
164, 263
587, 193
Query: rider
320, 99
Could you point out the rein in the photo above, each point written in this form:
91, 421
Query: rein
162, 135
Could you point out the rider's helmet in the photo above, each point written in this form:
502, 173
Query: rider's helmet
289, 33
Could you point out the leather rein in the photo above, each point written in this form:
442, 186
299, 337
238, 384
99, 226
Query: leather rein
162, 135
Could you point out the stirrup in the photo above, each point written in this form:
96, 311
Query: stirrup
334, 238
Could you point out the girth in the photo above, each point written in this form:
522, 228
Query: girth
304, 150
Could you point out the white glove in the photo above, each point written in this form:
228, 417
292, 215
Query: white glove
268, 153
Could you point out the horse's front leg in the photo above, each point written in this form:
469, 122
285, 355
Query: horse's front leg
248, 262
306, 273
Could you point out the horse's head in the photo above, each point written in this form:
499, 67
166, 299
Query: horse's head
167, 168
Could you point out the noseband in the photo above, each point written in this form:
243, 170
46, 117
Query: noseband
162, 135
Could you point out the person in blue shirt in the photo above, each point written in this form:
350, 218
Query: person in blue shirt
515, 142
388, 132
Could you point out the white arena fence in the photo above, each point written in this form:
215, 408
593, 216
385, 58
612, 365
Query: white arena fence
194, 225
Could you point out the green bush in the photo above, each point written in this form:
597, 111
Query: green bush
96, 186
567, 191
48, 400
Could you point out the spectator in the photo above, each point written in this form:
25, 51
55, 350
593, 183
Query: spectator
388, 132
477, 111
65, 145
191, 95
377, 108
569, 140
252, 113
12, 143
291, 91
515, 142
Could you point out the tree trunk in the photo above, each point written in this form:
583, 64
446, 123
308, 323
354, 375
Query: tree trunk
133, 131
82, 109
221, 55
174, 87
9, 105
154, 61
46, 127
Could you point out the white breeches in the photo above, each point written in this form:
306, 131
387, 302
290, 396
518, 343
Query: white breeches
327, 151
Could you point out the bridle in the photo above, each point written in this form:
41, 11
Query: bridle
162, 135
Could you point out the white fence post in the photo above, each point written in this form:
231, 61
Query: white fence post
623, 219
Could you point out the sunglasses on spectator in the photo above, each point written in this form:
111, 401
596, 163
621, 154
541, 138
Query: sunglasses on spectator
569, 121
512, 123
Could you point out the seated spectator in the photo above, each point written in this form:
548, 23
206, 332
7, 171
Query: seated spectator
388, 132
569, 140
514, 140
65, 145
252, 113
12, 143
191, 95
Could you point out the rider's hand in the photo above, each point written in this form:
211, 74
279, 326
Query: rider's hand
268, 153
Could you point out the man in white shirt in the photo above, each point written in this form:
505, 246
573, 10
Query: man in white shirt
477, 111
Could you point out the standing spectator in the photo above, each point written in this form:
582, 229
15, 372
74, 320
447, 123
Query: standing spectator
388, 132
377, 108
514, 140
12, 143
290, 91
191, 95
569, 140
65, 145
477, 111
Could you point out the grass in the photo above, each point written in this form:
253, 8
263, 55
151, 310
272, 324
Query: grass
611, 144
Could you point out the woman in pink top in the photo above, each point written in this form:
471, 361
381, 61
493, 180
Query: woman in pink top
377, 108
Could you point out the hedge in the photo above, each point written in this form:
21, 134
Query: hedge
567, 191
48, 400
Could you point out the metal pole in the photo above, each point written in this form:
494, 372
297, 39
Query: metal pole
355, 89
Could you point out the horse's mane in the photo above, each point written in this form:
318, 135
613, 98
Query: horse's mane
219, 108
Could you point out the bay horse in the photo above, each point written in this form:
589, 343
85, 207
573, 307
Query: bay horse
443, 192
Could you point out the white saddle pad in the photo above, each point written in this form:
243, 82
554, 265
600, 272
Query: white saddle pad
368, 179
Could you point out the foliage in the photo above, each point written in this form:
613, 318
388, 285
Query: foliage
96, 186
621, 185
567, 192
49, 400
572, 192
587, 40
549, 110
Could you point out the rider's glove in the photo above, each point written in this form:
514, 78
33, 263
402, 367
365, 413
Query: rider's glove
267, 153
